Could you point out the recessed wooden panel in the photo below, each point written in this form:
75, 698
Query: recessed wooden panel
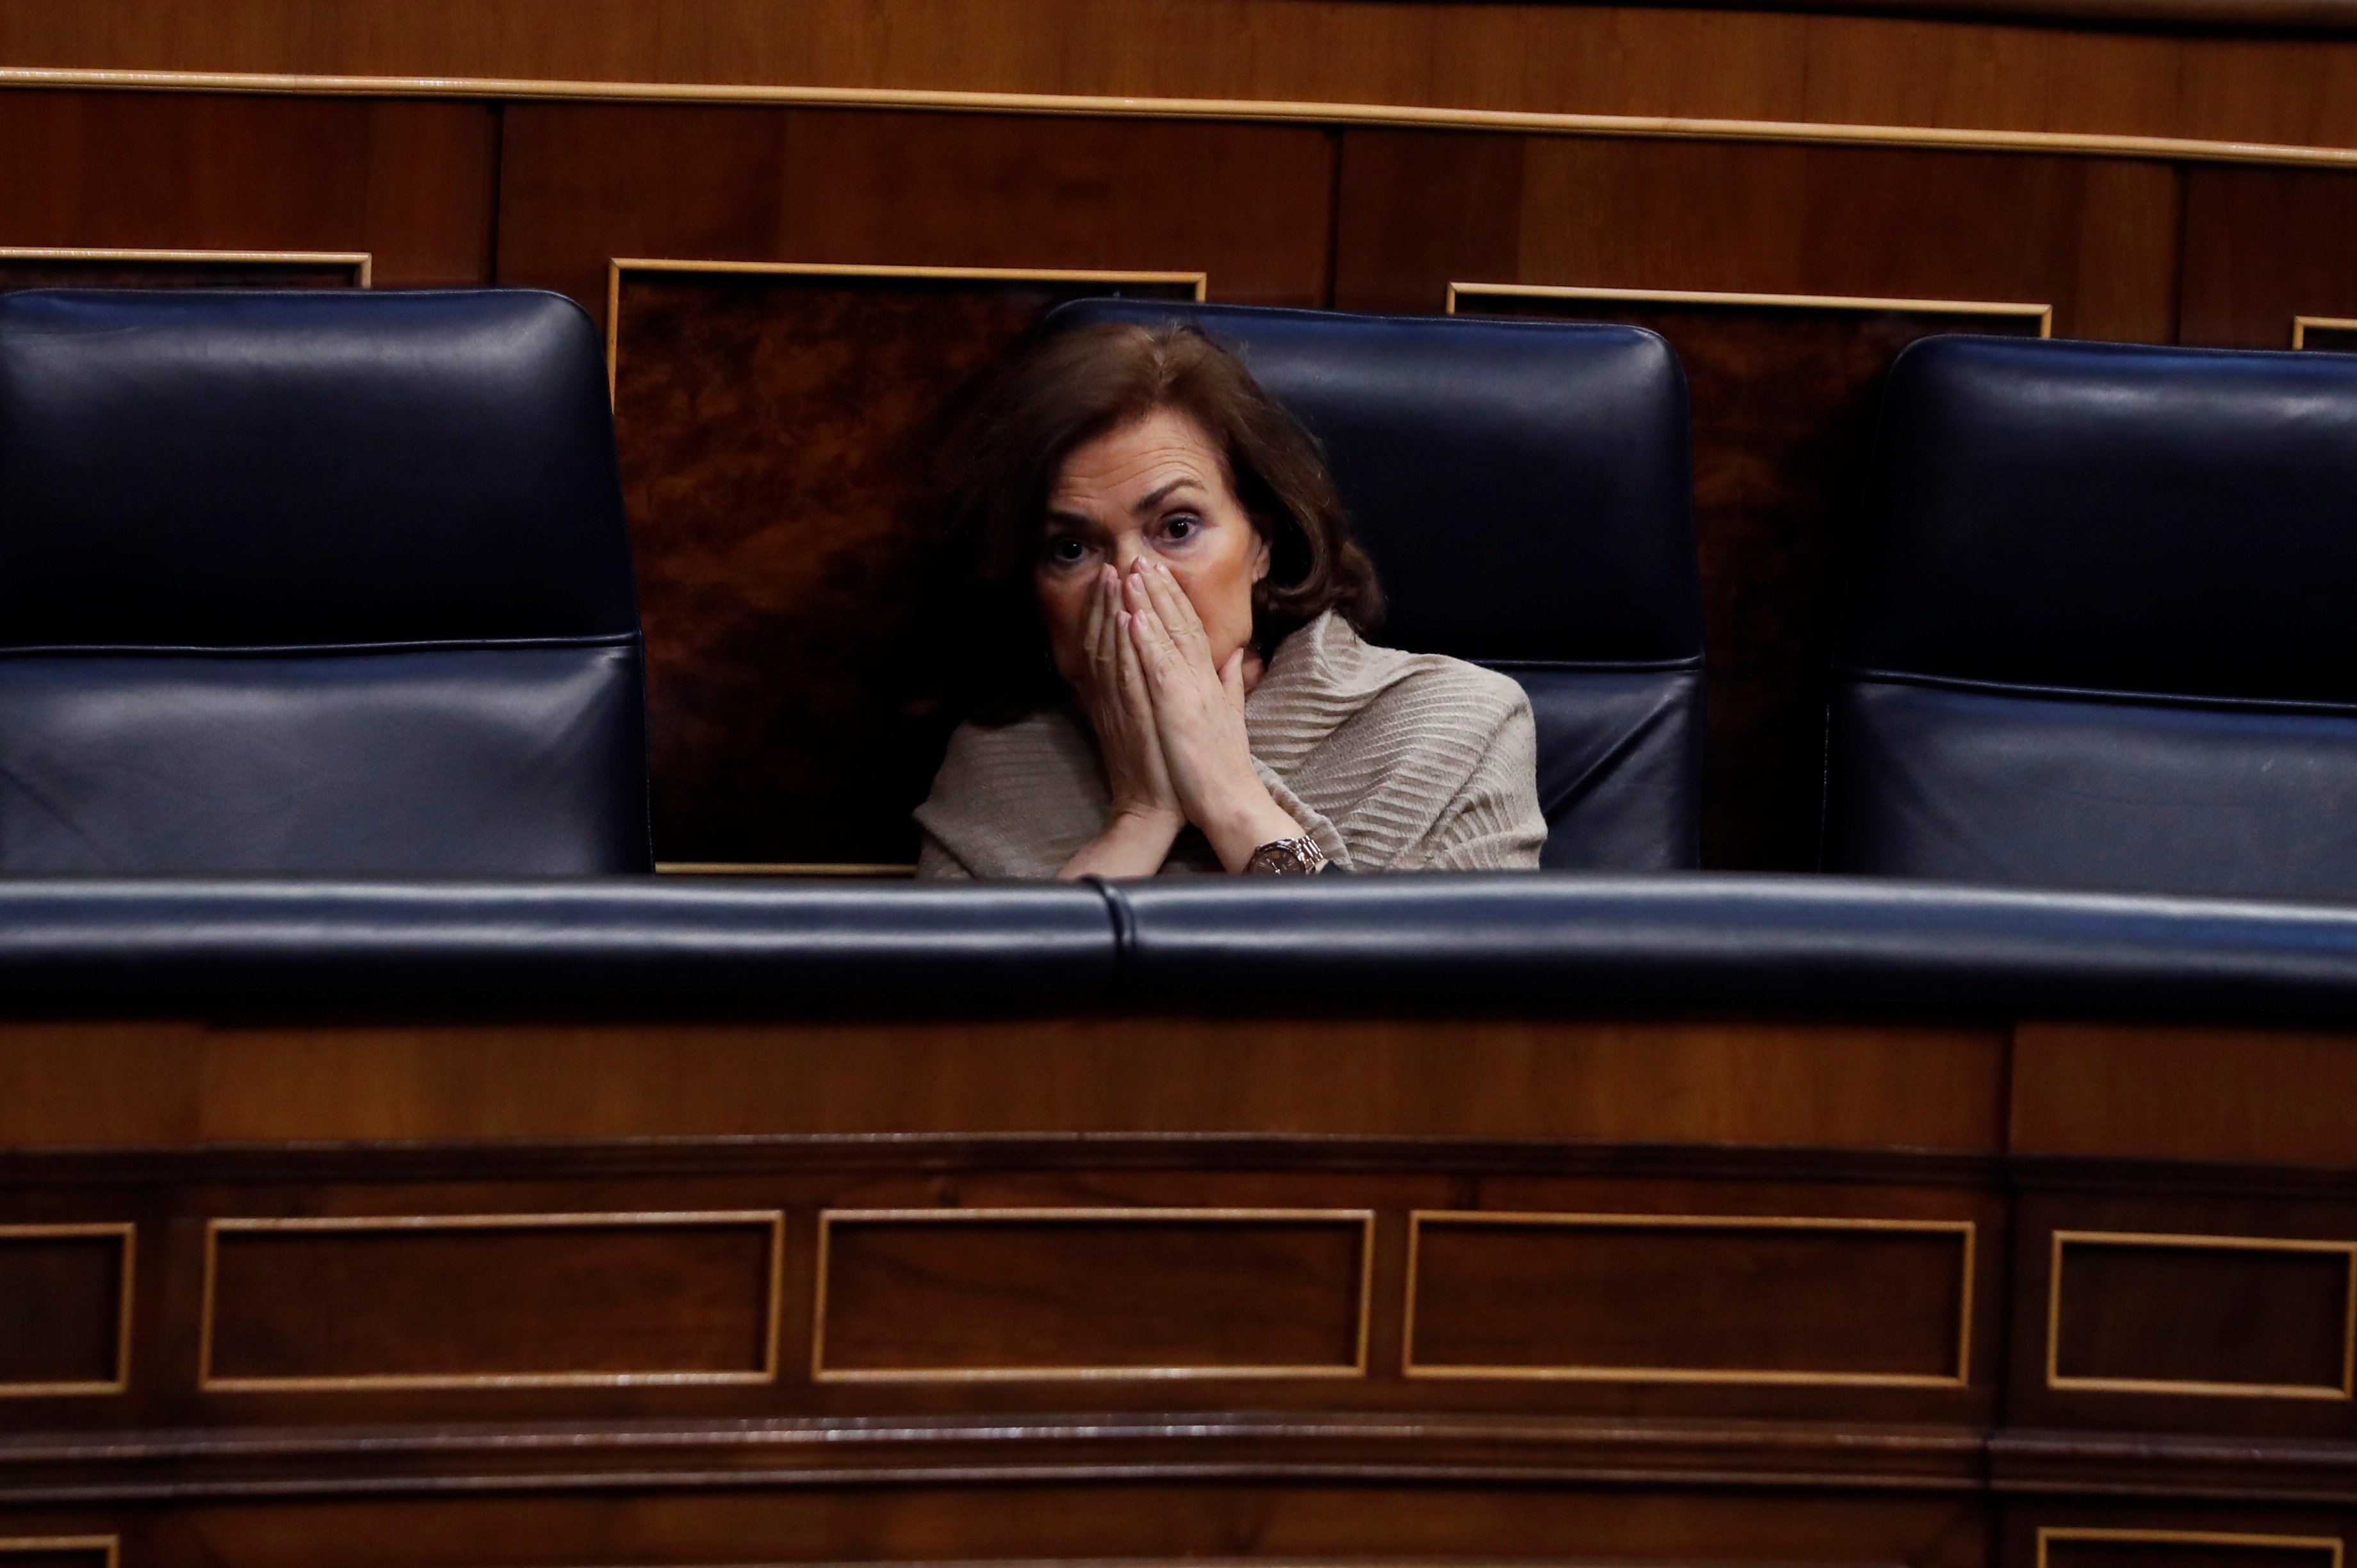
1783, 391
37, 267
1673, 1298
58, 1551
408, 182
771, 426
2097, 1548
2332, 334
2256, 1316
491, 1301
965, 1295
65, 1309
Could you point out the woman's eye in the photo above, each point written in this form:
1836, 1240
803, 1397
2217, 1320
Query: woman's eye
1066, 551
1180, 527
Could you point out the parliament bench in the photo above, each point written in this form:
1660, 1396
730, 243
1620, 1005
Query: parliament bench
1450, 1219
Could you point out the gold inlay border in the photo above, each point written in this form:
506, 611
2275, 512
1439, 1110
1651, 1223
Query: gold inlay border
362, 263
1364, 1219
1269, 110
2048, 1535
2011, 309
2300, 323
2057, 1378
1966, 1231
109, 1545
125, 1232
616, 267
772, 1219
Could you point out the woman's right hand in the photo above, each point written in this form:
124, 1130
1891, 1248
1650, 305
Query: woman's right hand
1114, 692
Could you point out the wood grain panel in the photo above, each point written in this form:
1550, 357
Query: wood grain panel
1784, 393
2262, 246
65, 1309
2249, 1316
2282, 1097
581, 184
408, 182
1842, 1085
980, 1294
489, 1301
771, 428
2073, 1547
1672, 1298
2332, 335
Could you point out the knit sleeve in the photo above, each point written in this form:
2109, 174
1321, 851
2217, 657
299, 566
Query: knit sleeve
1493, 821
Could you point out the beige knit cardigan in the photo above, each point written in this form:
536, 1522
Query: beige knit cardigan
1392, 761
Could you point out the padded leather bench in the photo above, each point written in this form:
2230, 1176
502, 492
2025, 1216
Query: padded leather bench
1561, 943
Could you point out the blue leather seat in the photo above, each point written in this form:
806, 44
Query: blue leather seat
1526, 492
2099, 632
315, 582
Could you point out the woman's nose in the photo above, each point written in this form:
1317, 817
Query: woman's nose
1126, 553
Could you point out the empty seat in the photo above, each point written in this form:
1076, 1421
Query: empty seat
1526, 492
317, 582
2099, 632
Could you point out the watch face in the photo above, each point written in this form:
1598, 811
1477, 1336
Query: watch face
1286, 857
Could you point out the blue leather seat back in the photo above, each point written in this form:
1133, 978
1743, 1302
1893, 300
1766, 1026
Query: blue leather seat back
2099, 630
315, 582
1526, 492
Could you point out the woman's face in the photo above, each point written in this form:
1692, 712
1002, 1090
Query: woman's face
1154, 489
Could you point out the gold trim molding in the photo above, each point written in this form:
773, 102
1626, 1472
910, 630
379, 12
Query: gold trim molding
821, 1372
1966, 1231
773, 1220
126, 1233
362, 263
25, 1545
1247, 110
2055, 1378
2049, 1533
2300, 323
2042, 314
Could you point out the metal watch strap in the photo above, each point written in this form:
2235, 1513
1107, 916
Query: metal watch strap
1286, 857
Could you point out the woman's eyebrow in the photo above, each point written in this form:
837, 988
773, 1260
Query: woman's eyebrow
1155, 500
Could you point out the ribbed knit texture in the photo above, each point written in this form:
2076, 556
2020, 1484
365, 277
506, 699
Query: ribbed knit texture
1392, 761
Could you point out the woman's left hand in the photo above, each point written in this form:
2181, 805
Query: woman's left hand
1199, 712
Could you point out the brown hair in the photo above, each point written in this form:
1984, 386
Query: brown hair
1056, 393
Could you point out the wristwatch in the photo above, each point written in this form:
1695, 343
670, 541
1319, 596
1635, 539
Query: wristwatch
1286, 857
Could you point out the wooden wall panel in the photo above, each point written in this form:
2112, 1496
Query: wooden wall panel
1636, 1298
65, 1309
2330, 335
976, 1294
2185, 1305
2185, 1092
489, 1301
2147, 1546
582, 183
2262, 246
58, 1551
2233, 1316
772, 431
409, 182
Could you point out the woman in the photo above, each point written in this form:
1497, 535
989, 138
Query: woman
1158, 624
